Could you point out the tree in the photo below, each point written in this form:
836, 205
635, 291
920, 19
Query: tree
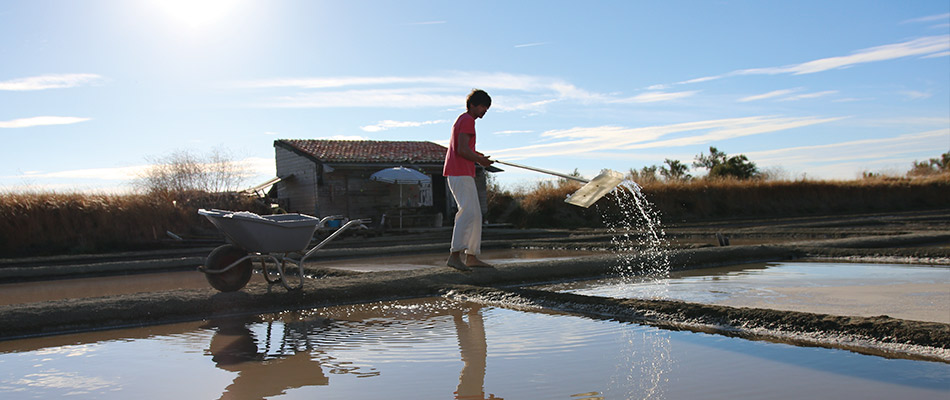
720, 165
183, 171
714, 158
644, 175
565, 181
675, 171
934, 166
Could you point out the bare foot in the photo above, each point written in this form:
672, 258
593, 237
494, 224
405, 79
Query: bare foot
473, 262
455, 261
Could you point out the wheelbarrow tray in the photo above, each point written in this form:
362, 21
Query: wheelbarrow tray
281, 233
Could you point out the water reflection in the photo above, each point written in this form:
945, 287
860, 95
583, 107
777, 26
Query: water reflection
911, 292
438, 349
235, 348
293, 350
474, 351
648, 362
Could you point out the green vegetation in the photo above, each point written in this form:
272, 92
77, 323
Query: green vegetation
932, 167
722, 166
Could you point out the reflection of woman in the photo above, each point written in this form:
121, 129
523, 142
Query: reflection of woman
234, 348
474, 349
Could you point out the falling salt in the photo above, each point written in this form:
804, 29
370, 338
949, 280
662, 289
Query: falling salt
638, 237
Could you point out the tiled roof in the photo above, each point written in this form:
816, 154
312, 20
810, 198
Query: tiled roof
367, 151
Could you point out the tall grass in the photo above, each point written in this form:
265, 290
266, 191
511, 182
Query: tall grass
56, 223
701, 199
52, 223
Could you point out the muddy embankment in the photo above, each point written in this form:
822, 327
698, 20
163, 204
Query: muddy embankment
913, 237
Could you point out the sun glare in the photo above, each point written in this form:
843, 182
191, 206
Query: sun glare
196, 14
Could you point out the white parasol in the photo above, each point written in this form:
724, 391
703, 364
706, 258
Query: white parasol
400, 176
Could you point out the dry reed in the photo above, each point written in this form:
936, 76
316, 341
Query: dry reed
700, 199
50, 223
53, 223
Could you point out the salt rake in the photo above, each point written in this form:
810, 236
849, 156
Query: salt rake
588, 194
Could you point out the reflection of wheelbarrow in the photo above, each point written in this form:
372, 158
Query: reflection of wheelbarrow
265, 239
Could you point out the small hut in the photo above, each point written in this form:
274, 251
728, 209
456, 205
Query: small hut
332, 177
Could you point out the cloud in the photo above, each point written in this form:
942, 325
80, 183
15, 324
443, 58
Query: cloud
516, 104
521, 92
379, 98
749, 127
865, 149
917, 47
931, 18
518, 46
813, 95
935, 55
111, 174
769, 95
390, 124
907, 121
52, 81
925, 47
511, 132
331, 82
41, 121
343, 137
255, 166
590, 140
654, 97
259, 166
916, 95
451, 80
698, 80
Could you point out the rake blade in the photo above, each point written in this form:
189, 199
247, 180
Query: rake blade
595, 189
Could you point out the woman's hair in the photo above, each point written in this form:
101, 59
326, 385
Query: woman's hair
478, 97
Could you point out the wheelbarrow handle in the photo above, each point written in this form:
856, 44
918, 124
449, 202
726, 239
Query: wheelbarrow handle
543, 171
329, 238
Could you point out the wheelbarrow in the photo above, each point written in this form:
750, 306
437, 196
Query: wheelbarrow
270, 240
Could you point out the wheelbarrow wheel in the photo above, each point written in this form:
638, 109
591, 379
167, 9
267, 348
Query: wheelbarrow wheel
234, 278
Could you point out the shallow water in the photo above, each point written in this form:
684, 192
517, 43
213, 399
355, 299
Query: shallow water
436, 349
897, 290
28, 292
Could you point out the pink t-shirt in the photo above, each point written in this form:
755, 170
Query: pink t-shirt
455, 165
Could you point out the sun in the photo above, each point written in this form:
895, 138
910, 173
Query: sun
196, 14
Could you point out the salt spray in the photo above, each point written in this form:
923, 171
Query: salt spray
643, 260
638, 237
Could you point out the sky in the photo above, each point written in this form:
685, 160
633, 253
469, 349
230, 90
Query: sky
93, 91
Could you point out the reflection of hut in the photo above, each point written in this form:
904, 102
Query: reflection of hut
331, 177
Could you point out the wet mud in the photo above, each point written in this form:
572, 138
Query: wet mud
911, 237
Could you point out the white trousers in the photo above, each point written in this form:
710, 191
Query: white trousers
467, 233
